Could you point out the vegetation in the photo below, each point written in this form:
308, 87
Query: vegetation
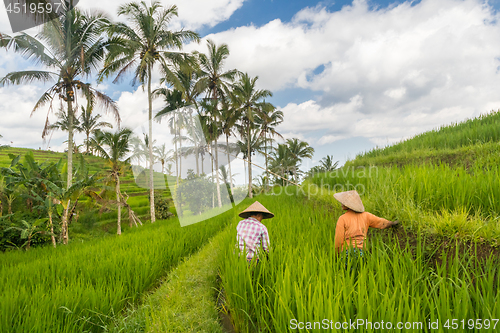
69, 49
398, 281
44, 291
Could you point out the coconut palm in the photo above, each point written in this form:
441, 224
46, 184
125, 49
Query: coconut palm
174, 102
249, 101
89, 124
115, 146
229, 117
256, 143
327, 164
283, 163
299, 150
215, 82
213, 130
268, 118
62, 122
163, 156
142, 44
69, 48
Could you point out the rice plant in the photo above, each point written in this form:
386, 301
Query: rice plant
303, 282
79, 288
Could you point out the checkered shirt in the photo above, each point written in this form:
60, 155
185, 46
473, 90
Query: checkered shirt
254, 234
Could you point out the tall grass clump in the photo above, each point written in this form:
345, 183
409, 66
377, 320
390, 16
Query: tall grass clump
303, 279
408, 193
78, 288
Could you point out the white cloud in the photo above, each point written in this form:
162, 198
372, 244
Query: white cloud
384, 74
193, 14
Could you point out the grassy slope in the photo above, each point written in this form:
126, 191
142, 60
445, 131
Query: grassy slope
456, 144
92, 224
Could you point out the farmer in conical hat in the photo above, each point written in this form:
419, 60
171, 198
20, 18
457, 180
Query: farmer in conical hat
251, 233
353, 225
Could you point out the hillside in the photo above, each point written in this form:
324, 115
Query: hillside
459, 144
91, 222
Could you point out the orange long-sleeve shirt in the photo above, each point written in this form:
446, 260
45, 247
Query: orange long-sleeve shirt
352, 228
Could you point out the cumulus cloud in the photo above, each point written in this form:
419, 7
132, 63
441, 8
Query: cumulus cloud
385, 74
193, 14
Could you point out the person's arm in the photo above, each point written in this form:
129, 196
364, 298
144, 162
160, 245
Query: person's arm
380, 223
265, 240
339, 234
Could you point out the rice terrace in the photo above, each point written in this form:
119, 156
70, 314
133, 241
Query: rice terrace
157, 188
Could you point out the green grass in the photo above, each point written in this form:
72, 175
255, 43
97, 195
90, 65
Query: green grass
185, 301
303, 279
438, 198
105, 222
480, 130
78, 288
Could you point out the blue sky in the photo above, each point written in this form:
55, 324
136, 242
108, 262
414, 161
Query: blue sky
348, 75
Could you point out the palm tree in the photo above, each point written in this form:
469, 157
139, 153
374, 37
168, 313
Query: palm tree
327, 164
212, 78
62, 122
214, 81
163, 156
268, 118
114, 148
256, 144
299, 150
282, 162
89, 124
229, 118
69, 48
146, 42
248, 99
212, 130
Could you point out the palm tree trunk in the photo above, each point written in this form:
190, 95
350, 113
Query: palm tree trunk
176, 154
229, 166
51, 225
217, 173
88, 143
150, 144
212, 163
265, 151
117, 189
70, 144
65, 234
179, 178
249, 152
197, 160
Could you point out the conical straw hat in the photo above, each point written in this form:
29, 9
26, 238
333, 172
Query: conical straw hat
256, 207
350, 199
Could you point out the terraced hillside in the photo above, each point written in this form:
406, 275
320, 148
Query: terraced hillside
91, 222
466, 143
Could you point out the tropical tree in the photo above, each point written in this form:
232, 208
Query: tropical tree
174, 102
283, 163
114, 148
249, 101
253, 143
215, 82
63, 120
228, 119
212, 77
327, 163
268, 118
299, 150
69, 49
212, 130
142, 44
88, 124
163, 156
